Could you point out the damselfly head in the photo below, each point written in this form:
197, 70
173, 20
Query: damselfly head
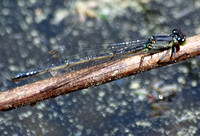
180, 36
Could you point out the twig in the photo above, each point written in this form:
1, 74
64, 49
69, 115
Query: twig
95, 75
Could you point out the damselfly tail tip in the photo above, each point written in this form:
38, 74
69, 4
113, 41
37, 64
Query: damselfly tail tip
24, 75
16, 78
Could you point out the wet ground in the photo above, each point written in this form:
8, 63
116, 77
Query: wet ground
163, 101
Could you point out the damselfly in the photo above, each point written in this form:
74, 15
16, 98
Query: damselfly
154, 44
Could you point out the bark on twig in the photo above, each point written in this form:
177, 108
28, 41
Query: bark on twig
95, 75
